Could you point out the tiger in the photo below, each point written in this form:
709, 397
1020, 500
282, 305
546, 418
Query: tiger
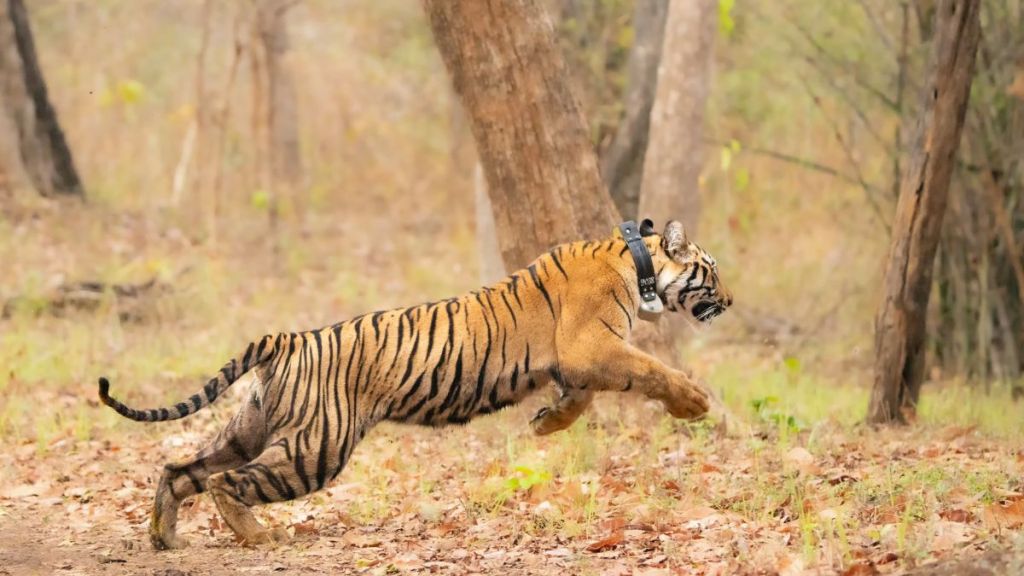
565, 320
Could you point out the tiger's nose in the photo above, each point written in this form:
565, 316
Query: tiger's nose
727, 299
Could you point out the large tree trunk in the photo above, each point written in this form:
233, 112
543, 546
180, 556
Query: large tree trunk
675, 153
622, 164
33, 151
531, 136
530, 133
900, 322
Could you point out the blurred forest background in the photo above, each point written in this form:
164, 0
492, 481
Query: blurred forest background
255, 166
371, 169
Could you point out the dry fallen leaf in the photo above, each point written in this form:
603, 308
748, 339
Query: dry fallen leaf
956, 515
610, 541
861, 569
998, 516
613, 524
949, 535
307, 527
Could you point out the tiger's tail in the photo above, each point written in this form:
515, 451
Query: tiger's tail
257, 353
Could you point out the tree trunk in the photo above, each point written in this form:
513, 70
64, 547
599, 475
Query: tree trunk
282, 171
32, 147
530, 132
900, 321
675, 156
622, 164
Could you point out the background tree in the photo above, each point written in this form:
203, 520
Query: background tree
900, 323
980, 268
32, 146
275, 111
674, 159
622, 163
531, 135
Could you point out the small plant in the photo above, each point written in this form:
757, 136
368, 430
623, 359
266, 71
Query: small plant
524, 478
767, 410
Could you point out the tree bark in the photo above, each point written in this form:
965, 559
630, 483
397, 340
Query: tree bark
278, 111
675, 155
32, 147
900, 321
622, 164
530, 132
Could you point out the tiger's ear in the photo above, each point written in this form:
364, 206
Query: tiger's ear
674, 238
647, 228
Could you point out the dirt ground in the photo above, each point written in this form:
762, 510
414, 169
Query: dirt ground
417, 501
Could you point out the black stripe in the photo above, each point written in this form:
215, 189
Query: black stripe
211, 390
629, 316
247, 357
515, 290
195, 481
610, 329
554, 258
515, 322
455, 387
540, 285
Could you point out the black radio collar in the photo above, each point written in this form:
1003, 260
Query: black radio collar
647, 282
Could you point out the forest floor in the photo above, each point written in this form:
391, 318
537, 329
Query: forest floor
794, 485
610, 496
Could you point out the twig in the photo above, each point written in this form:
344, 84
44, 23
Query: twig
879, 29
869, 190
180, 177
845, 96
802, 162
882, 96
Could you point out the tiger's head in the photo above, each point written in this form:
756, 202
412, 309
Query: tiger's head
687, 275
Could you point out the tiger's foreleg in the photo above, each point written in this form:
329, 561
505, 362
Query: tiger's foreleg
618, 366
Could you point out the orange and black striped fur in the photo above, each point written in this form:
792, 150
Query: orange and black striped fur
565, 319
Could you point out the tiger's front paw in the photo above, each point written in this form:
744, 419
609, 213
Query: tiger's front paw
688, 401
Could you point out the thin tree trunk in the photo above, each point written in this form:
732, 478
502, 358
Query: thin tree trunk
675, 156
33, 149
278, 111
900, 322
622, 164
530, 132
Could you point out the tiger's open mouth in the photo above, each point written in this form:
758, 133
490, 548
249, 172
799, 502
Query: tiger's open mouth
706, 310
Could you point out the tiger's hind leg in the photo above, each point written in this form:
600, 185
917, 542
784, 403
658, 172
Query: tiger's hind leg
239, 442
280, 473
183, 479
570, 405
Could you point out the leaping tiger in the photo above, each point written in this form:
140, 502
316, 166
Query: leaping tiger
565, 319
